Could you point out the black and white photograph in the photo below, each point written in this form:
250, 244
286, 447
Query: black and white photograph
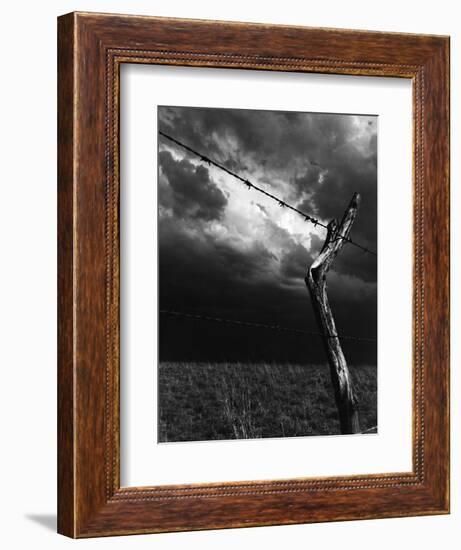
267, 266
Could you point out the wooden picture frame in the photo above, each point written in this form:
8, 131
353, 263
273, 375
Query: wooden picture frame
92, 48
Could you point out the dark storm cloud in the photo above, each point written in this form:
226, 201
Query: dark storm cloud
276, 140
194, 194
219, 277
268, 139
347, 172
317, 161
294, 262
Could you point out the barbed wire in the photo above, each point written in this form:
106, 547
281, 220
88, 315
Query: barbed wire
279, 328
251, 185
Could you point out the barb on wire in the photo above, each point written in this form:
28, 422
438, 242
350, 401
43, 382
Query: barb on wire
195, 316
250, 185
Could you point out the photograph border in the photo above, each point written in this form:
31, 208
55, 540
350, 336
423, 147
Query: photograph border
91, 48
249, 184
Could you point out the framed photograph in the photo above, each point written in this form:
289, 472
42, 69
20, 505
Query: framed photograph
253, 275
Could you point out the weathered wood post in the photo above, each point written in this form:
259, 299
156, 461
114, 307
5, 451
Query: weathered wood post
346, 400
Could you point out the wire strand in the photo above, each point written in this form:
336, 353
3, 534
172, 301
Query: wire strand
198, 317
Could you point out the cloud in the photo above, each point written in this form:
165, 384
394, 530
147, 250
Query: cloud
194, 194
219, 276
295, 262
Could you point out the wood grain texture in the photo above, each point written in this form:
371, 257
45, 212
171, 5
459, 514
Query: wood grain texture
345, 396
91, 49
66, 471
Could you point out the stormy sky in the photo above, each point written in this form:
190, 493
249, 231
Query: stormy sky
229, 252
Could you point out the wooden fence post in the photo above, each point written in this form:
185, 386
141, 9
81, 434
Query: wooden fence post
346, 399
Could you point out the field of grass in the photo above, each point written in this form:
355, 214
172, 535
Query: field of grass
209, 401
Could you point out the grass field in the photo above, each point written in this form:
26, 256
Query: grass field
209, 401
